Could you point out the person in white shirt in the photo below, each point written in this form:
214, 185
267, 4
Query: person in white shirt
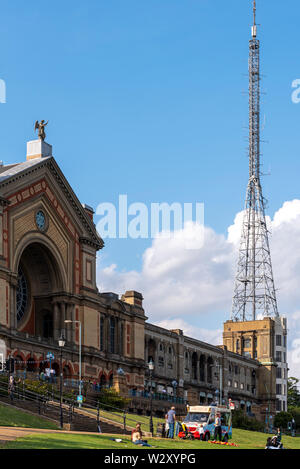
201, 432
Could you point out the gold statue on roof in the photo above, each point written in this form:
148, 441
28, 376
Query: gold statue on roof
40, 126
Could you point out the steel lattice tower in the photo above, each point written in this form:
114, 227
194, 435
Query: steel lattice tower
254, 292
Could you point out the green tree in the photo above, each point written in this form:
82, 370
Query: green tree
293, 395
281, 420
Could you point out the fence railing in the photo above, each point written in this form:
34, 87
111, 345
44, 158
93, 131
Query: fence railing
157, 396
92, 407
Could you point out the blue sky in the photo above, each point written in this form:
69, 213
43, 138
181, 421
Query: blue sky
145, 98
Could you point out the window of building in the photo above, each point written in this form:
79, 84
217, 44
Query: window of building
278, 340
278, 356
236, 384
160, 361
278, 405
242, 386
247, 354
246, 343
278, 389
278, 372
283, 406
230, 383
236, 370
112, 334
284, 340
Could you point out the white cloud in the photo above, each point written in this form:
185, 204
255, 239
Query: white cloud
195, 286
209, 336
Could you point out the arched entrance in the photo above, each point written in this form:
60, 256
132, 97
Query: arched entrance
39, 278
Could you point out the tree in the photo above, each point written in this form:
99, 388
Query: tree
293, 394
281, 419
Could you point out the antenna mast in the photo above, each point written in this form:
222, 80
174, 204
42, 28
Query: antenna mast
254, 292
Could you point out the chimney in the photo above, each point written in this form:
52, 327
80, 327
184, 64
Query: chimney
89, 210
133, 298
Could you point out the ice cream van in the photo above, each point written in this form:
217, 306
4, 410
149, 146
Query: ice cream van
205, 416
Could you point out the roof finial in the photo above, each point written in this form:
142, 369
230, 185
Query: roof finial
253, 29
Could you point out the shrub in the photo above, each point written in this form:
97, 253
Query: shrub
295, 412
110, 397
240, 420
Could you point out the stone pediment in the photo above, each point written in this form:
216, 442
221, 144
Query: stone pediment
20, 182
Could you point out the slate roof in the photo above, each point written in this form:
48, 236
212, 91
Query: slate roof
11, 170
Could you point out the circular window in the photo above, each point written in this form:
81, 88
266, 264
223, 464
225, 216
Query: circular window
22, 294
40, 220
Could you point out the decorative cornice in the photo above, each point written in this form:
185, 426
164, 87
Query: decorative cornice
51, 164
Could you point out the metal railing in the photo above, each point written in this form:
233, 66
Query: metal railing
91, 408
157, 396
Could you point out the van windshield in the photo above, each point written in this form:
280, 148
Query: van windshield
197, 417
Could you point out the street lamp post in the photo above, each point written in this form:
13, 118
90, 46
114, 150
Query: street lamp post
174, 384
68, 321
61, 343
220, 391
151, 368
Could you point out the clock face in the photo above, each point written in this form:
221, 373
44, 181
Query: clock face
40, 220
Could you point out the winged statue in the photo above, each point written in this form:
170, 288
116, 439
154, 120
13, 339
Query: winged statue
40, 126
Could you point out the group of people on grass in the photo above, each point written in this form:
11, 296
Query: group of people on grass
171, 428
275, 441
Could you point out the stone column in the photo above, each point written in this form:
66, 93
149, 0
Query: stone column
63, 306
56, 321
72, 325
67, 327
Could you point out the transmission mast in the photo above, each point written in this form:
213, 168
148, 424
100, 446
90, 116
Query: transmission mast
254, 292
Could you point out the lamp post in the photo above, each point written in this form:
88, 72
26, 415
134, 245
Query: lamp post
174, 384
151, 368
68, 321
220, 392
61, 344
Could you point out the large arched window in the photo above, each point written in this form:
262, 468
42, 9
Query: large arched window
112, 334
194, 365
210, 364
202, 368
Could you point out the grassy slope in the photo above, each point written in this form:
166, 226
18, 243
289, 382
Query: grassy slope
10, 417
244, 439
131, 419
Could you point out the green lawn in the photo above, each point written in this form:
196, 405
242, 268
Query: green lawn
131, 419
244, 439
10, 417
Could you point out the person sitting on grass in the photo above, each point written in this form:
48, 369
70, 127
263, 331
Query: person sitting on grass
137, 436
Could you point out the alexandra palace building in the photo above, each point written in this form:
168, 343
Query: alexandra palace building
48, 248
